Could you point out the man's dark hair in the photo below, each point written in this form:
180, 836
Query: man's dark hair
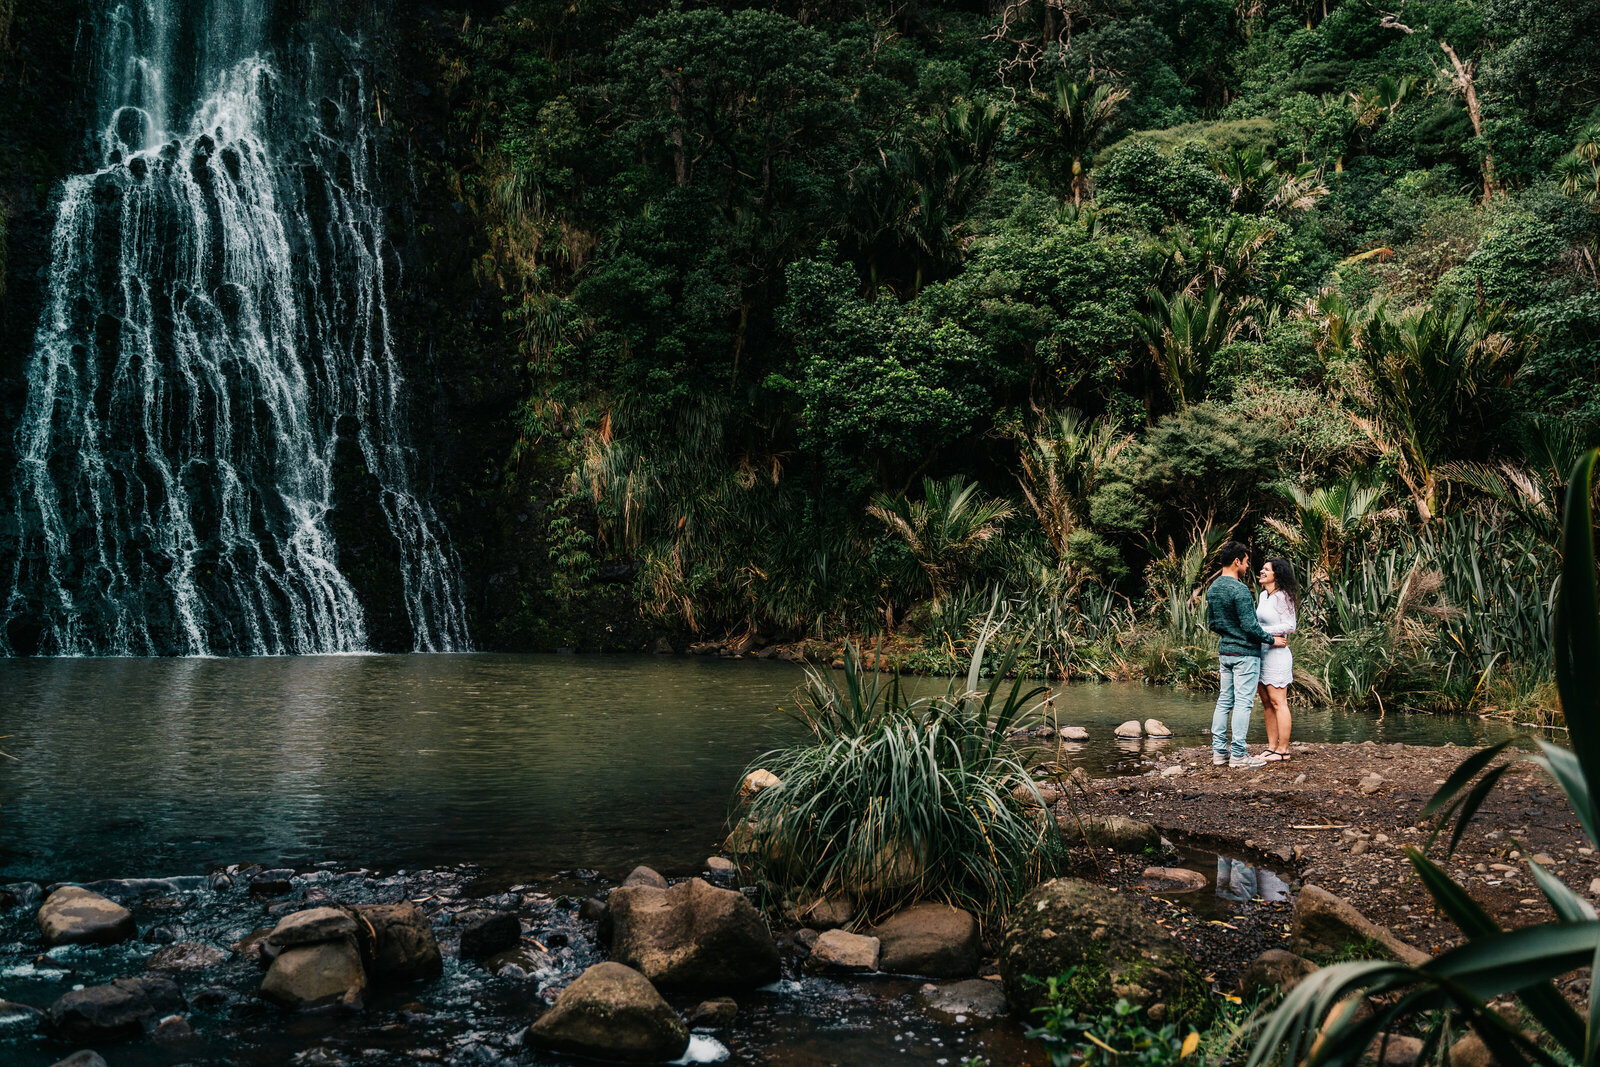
1231, 553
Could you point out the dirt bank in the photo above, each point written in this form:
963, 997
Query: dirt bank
1339, 815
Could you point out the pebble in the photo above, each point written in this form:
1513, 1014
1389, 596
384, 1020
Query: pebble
1594, 888
1174, 771
1544, 859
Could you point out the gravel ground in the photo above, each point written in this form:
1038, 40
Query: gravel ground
1339, 816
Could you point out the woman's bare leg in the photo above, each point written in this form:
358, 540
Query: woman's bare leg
1268, 715
1277, 713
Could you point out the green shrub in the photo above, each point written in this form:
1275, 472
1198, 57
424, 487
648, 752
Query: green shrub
895, 800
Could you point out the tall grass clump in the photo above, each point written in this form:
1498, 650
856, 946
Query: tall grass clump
894, 800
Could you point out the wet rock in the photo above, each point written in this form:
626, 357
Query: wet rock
1177, 770
1156, 728
522, 961
254, 946
827, 913
895, 867
221, 880
1074, 733
1119, 951
397, 943
973, 998
715, 1014
162, 935
1110, 831
274, 883
1326, 924
84, 1057
1371, 783
309, 975
172, 1030
756, 781
841, 951
1131, 728
1174, 879
1275, 969
312, 926
592, 910
72, 915
645, 876
611, 1012
721, 870
692, 937
18, 1019
185, 956
483, 933
116, 1011
662, 647
805, 940
934, 940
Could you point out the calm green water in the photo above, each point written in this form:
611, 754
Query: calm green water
522, 765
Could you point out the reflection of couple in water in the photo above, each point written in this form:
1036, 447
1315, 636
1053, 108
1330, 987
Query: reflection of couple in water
1238, 880
1254, 653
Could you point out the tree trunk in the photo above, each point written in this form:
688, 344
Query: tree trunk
1464, 79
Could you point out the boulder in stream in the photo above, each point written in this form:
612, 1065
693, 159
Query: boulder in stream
972, 998
483, 932
397, 943
692, 937
841, 951
310, 975
1116, 832
116, 1011
1131, 728
611, 1012
72, 915
1117, 949
312, 926
932, 940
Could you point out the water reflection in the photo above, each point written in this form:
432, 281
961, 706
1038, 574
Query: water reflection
1241, 882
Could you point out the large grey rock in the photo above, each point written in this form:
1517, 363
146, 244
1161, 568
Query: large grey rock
308, 975
116, 1011
714, 1014
1074, 733
1131, 728
692, 937
934, 940
397, 943
1173, 880
73, 915
483, 933
1325, 924
973, 998
312, 926
841, 951
612, 1012
1110, 831
185, 956
1275, 969
1156, 728
1118, 952
18, 1018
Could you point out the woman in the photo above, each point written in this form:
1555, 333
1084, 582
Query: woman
1276, 610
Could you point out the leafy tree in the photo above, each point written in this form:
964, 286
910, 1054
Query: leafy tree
946, 530
1067, 124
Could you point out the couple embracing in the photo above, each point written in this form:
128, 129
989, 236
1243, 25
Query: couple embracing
1255, 655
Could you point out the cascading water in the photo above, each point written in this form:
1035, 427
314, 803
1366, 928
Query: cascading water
215, 323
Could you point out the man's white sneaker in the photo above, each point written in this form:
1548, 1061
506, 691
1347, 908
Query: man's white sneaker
1247, 761
1218, 759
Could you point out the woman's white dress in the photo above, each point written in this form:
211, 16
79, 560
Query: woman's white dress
1276, 616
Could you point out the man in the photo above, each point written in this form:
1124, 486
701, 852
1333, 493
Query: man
1231, 615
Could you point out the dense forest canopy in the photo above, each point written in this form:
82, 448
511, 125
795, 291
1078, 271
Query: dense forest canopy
813, 318
814, 297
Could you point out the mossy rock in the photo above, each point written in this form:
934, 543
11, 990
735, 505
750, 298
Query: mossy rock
1113, 949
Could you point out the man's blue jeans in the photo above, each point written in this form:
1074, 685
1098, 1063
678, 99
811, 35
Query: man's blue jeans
1239, 677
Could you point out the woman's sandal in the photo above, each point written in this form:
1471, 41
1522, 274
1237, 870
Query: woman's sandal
1285, 755
1272, 755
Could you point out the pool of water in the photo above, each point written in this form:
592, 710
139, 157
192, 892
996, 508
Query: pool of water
522, 766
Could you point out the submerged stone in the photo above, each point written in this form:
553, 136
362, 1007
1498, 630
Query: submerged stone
73, 915
116, 1011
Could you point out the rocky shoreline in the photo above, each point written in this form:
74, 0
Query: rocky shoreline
1215, 881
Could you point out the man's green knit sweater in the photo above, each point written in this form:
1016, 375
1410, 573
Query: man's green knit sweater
1231, 614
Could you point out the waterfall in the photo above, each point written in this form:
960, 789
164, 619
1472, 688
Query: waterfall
215, 329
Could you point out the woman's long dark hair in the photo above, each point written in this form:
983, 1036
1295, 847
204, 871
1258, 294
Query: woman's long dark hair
1283, 574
